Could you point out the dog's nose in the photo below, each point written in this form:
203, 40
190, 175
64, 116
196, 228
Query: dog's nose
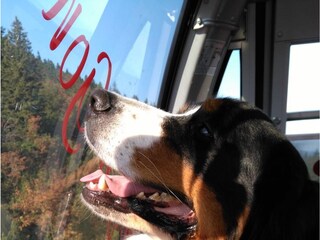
100, 101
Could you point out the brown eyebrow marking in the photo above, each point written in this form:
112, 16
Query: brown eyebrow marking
211, 105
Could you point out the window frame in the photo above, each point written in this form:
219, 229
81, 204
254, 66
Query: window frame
179, 42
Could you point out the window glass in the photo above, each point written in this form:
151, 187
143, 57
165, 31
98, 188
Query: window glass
53, 54
304, 75
303, 96
303, 90
231, 81
308, 126
309, 150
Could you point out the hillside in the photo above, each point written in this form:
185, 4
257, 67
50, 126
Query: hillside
39, 179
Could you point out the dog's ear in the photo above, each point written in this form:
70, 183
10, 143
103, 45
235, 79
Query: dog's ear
286, 202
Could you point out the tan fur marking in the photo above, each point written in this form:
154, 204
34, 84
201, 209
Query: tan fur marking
184, 108
211, 105
242, 222
162, 166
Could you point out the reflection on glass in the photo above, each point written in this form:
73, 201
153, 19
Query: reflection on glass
40, 185
138, 40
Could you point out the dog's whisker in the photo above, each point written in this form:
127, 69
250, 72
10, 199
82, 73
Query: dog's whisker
162, 182
160, 179
86, 215
155, 167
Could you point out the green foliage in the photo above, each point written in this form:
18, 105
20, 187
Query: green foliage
20, 85
36, 172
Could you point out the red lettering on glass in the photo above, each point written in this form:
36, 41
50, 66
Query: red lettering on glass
59, 35
76, 75
101, 56
80, 94
55, 9
77, 97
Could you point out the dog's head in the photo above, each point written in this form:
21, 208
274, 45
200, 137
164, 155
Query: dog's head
197, 174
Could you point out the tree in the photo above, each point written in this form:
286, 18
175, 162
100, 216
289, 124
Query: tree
36, 173
20, 84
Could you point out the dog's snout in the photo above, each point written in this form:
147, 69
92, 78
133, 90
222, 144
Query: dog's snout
100, 101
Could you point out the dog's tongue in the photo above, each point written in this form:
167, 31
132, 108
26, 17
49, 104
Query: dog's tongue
124, 187
92, 176
118, 185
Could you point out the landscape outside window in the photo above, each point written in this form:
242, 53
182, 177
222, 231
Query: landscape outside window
53, 55
303, 96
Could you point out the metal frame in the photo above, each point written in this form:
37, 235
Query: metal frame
270, 28
180, 42
292, 17
206, 44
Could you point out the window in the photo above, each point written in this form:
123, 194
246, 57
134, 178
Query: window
309, 150
303, 103
54, 53
304, 75
231, 81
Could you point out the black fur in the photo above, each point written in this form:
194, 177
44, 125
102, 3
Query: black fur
242, 158
247, 162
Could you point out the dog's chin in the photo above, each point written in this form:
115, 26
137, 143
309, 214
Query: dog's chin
128, 220
153, 213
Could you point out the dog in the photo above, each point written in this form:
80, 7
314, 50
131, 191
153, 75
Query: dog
220, 170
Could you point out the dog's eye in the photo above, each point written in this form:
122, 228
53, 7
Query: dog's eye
205, 131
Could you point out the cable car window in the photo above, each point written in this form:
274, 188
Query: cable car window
309, 150
303, 103
231, 81
307, 126
53, 54
304, 75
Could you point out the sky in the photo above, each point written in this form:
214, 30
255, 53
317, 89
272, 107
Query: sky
137, 38
41, 31
231, 82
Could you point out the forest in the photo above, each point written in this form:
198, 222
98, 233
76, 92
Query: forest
40, 185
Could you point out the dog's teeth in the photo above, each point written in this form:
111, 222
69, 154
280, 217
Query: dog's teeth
166, 197
163, 195
141, 195
102, 183
92, 185
155, 197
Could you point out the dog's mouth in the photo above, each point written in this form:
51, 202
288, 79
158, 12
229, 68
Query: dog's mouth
117, 192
